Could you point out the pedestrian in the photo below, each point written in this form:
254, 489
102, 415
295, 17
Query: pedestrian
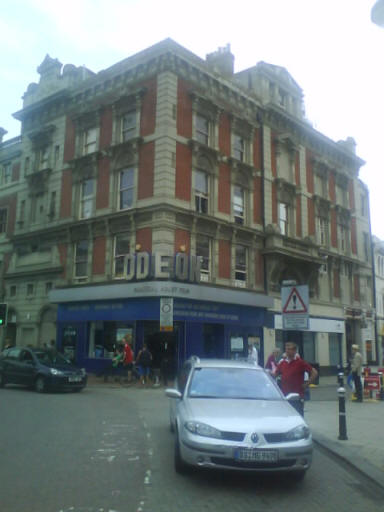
356, 366
128, 357
144, 360
117, 361
272, 360
292, 370
253, 356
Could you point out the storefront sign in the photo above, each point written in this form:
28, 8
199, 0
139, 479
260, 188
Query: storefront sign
166, 314
143, 265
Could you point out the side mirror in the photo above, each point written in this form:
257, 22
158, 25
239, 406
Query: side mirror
173, 393
293, 397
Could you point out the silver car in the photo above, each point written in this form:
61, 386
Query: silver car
232, 415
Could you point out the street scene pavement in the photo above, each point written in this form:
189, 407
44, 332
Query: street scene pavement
364, 447
109, 449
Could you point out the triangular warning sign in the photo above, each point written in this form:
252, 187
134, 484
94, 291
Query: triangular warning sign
295, 303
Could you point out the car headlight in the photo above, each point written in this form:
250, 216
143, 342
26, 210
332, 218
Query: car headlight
56, 372
300, 432
202, 429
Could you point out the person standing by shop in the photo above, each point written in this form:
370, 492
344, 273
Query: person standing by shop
128, 357
144, 360
292, 370
356, 366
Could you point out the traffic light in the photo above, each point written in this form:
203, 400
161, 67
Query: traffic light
3, 314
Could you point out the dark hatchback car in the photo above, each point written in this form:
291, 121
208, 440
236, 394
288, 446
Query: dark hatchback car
41, 369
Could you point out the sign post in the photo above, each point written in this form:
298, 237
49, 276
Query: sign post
295, 307
166, 314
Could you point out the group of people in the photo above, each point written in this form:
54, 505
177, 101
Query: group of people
124, 360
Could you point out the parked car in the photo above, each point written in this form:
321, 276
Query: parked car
39, 368
232, 415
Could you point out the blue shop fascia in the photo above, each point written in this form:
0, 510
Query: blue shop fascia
175, 318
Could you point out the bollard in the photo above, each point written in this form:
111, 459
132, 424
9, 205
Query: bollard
340, 379
381, 392
342, 417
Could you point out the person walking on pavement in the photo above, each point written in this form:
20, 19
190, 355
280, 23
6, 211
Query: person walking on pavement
356, 366
292, 369
144, 360
272, 360
252, 354
128, 357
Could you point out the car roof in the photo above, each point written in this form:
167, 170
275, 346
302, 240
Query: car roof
223, 363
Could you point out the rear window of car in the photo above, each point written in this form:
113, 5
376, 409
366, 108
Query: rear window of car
234, 383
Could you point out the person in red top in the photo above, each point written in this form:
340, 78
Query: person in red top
292, 368
128, 356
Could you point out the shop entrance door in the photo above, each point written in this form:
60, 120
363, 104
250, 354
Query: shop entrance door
164, 349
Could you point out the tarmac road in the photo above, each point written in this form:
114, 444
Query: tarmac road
109, 449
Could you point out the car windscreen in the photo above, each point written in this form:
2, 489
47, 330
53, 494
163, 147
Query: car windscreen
52, 357
234, 383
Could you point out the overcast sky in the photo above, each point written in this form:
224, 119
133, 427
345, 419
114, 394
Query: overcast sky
330, 47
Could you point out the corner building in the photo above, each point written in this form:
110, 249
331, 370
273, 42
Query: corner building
161, 158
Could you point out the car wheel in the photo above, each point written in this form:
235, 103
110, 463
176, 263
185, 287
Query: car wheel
180, 466
2, 380
40, 385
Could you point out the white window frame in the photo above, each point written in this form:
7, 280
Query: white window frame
128, 132
241, 267
238, 204
87, 199
201, 194
81, 260
121, 255
89, 140
43, 158
239, 150
126, 189
322, 231
3, 220
202, 133
7, 173
283, 218
205, 269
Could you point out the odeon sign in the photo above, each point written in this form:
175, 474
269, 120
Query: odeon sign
143, 265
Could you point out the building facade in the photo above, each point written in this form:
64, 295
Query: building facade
170, 176
378, 255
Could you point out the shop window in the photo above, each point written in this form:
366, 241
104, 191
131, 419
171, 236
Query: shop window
105, 336
122, 249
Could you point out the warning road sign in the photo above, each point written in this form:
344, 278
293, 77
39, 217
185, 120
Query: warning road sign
295, 307
295, 303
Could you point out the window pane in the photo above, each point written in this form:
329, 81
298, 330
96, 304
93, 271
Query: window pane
203, 250
87, 188
202, 129
82, 250
201, 182
126, 178
122, 245
126, 199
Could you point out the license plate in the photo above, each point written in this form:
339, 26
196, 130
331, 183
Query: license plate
74, 379
250, 454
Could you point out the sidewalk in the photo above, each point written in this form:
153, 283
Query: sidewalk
364, 447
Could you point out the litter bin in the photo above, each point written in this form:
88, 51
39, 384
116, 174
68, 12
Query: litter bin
316, 366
